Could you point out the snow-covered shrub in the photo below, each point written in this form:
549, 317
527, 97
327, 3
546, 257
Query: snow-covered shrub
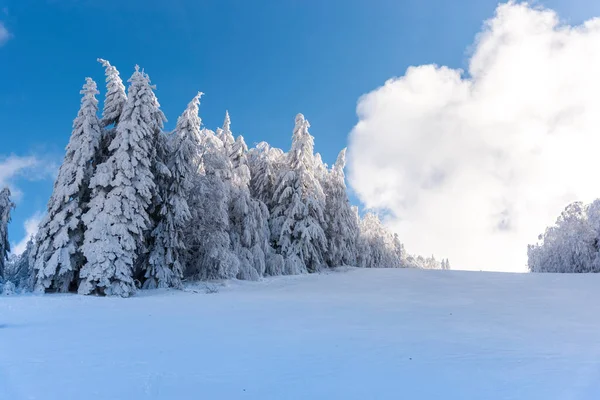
275, 264
8, 288
211, 288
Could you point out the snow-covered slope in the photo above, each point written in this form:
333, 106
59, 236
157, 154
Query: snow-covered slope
358, 334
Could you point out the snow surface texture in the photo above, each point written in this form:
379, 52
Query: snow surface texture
360, 334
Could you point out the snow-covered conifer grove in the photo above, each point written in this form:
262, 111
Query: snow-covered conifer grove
134, 206
572, 244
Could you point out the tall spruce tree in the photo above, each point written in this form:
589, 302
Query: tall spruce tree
249, 218
114, 100
123, 189
225, 135
57, 245
210, 254
148, 268
342, 228
297, 221
115, 97
265, 163
168, 253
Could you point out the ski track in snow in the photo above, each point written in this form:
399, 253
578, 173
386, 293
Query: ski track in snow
359, 334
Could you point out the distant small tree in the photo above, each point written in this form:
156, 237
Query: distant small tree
21, 270
379, 248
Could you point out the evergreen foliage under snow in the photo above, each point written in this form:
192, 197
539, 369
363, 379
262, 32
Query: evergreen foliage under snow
298, 215
342, 229
57, 252
123, 190
115, 98
136, 207
6, 206
572, 244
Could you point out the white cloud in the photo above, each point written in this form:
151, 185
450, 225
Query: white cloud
28, 167
12, 166
5, 35
31, 227
474, 166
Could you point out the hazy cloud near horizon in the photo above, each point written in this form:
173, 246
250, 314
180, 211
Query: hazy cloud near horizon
473, 166
30, 226
14, 169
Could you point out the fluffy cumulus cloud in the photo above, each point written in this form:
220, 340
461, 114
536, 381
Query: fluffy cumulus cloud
474, 165
14, 168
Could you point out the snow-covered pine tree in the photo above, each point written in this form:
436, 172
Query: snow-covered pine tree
320, 168
399, 251
249, 232
150, 269
6, 206
207, 236
378, 248
342, 228
225, 134
21, 272
239, 157
363, 249
168, 253
446, 264
124, 186
365, 246
265, 163
571, 245
57, 245
432, 263
297, 219
115, 98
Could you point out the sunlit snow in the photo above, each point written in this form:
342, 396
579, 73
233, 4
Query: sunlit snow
353, 334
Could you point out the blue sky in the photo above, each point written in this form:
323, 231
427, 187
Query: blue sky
264, 61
